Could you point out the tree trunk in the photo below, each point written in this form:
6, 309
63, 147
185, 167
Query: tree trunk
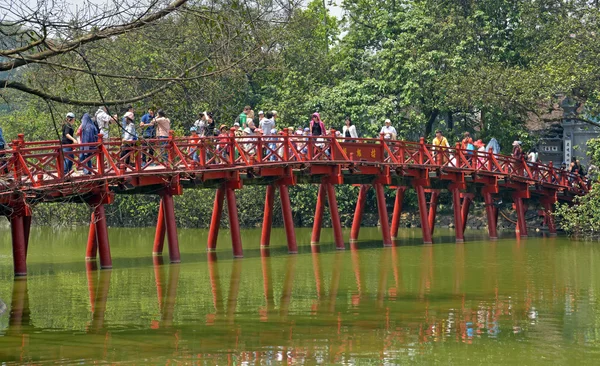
430, 122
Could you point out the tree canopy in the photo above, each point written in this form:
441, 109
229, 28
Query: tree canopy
487, 66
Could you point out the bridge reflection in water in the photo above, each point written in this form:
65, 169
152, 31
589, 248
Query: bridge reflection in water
32, 174
340, 308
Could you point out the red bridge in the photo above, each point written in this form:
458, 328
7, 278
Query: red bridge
32, 172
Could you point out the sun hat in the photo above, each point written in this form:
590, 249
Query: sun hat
236, 124
261, 112
387, 120
70, 115
274, 111
223, 127
193, 129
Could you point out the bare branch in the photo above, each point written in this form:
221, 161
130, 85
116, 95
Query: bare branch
110, 31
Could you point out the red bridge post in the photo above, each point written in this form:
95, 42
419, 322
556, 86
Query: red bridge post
458, 223
358, 212
215, 221
521, 209
27, 227
423, 214
18, 246
288, 220
92, 243
102, 235
490, 212
234, 224
433, 202
383, 216
171, 224
318, 221
159, 235
335, 217
397, 211
265, 237
548, 204
466, 205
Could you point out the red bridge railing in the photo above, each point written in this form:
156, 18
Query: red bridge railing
36, 164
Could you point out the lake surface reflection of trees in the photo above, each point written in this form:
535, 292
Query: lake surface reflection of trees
421, 303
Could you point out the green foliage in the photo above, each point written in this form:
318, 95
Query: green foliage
582, 218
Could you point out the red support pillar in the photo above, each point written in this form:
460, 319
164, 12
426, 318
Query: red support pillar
18, 246
159, 236
335, 217
92, 243
318, 223
435, 195
215, 221
423, 213
236, 237
397, 211
171, 224
288, 220
549, 217
102, 235
491, 215
383, 216
466, 205
358, 212
521, 223
265, 237
458, 223
27, 230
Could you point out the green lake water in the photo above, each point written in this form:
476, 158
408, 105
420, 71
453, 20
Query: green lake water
509, 301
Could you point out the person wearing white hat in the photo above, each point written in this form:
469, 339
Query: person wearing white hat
66, 140
261, 117
517, 152
389, 130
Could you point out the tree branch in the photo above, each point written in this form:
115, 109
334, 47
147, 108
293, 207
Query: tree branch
40, 93
91, 36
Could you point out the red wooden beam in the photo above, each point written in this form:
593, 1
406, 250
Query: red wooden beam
234, 224
265, 237
423, 214
335, 217
215, 221
318, 220
288, 220
358, 212
159, 235
383, 215
397, 211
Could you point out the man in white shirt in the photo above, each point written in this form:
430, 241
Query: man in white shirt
389, 130
104, 120
267, 124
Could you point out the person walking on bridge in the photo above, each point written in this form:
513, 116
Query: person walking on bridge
89, 135
103, 119
163, 126
349, 130
388, 131
440, 144
317, 127
66, 140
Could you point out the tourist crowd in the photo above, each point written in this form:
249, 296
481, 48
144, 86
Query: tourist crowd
247, 124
